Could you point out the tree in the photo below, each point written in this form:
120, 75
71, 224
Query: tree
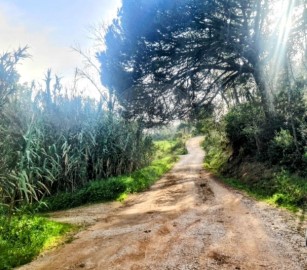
167, 57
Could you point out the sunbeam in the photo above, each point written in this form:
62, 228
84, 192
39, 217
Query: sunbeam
284, 10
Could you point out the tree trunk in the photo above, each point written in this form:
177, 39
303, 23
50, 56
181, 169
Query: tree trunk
264, 95
236, 95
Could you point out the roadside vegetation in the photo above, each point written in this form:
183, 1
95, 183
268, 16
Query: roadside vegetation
59, 150
53, 141
24, 237
266, 160
117, 188
235, 69
225, 67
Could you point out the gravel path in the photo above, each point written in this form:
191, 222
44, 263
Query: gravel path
187, 220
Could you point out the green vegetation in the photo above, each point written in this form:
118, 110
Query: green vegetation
60, 150
53, 142
215, 146
23, 237
118, 187
216, 60
283, 189
267, 162
220, 65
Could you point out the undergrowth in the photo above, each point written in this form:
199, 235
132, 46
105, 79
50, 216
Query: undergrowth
276, 185
117, 188
23, 237
283, 190
216, 153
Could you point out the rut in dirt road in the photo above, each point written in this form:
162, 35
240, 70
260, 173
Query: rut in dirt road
187, 220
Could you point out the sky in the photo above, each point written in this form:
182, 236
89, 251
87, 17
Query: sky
50, 28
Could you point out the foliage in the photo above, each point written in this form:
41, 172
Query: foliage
283, 189
117, 187
163, 133
279, 141
171, 132
8, 74
282, 148
243, 127
215, 156
164, 59
55, 143
248, 131
215, 145
24, 237
272, 180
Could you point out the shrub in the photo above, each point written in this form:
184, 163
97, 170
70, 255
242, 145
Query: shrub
282, 148
216, 150
245, 129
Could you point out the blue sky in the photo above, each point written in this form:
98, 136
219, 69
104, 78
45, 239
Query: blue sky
50, 28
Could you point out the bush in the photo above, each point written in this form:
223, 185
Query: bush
247, 131
282, 148
216, 150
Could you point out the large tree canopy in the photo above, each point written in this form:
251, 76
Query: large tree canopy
166, 58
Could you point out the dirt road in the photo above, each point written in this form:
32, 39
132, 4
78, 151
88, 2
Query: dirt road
187, 220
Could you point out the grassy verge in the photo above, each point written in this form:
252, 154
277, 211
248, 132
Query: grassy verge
117, 188
272, 185
283, 190
24, 237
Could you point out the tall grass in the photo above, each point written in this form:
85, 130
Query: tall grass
25, 236
51, 142
117, 188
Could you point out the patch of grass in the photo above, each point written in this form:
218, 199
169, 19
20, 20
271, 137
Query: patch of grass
238, 184
24, 237
283, 190
117, 188
170, 147
95, 191
144, 178
290, 191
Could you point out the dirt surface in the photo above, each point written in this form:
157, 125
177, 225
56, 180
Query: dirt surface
187, 220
